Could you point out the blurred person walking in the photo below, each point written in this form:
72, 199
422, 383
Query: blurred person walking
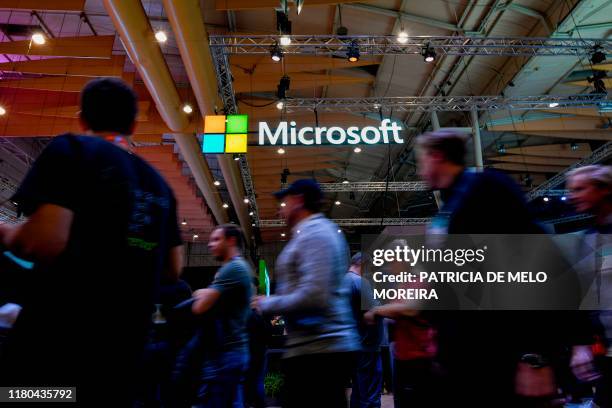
590, 190
225, 343
321, 336
367, 376
101, 230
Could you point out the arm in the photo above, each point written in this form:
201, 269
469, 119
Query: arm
205, 299
391, 311
314, 274
43, 237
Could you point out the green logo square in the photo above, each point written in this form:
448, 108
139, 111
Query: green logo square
237, 124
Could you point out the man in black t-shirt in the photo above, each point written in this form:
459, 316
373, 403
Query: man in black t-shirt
101, 230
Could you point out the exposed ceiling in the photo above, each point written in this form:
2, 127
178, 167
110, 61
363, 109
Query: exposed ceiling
39, 88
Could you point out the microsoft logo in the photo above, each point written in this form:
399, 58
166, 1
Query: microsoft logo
225, 134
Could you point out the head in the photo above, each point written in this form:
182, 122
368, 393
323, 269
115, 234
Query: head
225, 242
108, 105
590, 188
440, 157
301, 199
356, 263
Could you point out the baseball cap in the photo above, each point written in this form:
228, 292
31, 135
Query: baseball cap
309, 188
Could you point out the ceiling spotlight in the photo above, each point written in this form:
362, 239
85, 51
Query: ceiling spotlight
339, 231
337, 202
184, 222
546, 199
352, 52
246, 200
38, 38
553, 104
283, 204
563, 198
574, 146
276, 53
283, 87
161, 36
285, 40
357, 149
187, 108
283, 234
429, 55
236, 157
252, 225
528, 180
195, 236
402, 37
345, 181
2, 111
284, 175
217, 183
251, 213
376, 106
598, 57
280, 105
225, 205
501, 149
298, 231
281, 151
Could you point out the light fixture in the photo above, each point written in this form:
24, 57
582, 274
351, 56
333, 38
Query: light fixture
283, 87
195, 236
501, 149
546, 199
429, 55
280, 105
339, 231
225, 205
528, 180
252, 225
352, 52
161, 36
283, 234
402, 37
598, 57
553, 104
187, 108
352, 196
217, 183
251, 213
345, 181
298, 231
574, 146
236, 157
285, 40
337, 202
357, 149
376, 106
38, 38
184, 222
2, 111
276, 53
563, 198
246, 200
281, 150
283, 204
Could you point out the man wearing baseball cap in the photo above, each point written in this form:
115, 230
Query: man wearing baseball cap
321, 333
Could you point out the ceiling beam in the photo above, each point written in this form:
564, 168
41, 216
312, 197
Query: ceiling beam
222, 5
268, 82
100, 46
562, 124
548, 161
527, 168
603, 134
245, 65
69, 66
55, 5
553, 150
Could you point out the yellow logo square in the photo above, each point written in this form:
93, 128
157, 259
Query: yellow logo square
235, 143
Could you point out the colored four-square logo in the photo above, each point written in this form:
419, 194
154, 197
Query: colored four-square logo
225, 134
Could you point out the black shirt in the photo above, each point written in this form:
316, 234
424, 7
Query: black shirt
91, 307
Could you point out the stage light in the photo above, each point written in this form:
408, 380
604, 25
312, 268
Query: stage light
285, 40
187, 108
38, 38
251, 213
345, 181
546, 199
339, 231
236, 157
553, 104
283, 87
280, 105
276, 53
184, 222
353, 52
501, 149
598, 57
2, 111
283, 234
429, 55
225, 205
402, 37
376, 106
563, 198
161, 36
252, 225
281, 151
217, 183
574, 146
337, 202
246, 200
283, 204
195, 236
357, 149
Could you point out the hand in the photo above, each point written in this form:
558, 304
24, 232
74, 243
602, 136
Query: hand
198, 293
581, 364
370, 316
256, 303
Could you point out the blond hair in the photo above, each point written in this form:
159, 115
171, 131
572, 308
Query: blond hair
599, 175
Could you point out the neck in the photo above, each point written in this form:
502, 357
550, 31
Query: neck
299, 216
231, 253
355, 270
125, 141
450, 175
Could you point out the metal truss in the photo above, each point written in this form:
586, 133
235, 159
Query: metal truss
226, 91
354, 222
441, 103
598, 155
372, 186
570, 218
388, 45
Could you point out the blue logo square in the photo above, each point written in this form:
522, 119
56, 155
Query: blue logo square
213, 143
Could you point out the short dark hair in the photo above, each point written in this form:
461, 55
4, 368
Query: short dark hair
357, 259
233, 231
109, 105
451, 144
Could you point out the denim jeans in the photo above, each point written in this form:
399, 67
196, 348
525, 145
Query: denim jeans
222, 380
367, 380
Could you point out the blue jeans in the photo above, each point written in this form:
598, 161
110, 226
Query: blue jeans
367, 381
222, 379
